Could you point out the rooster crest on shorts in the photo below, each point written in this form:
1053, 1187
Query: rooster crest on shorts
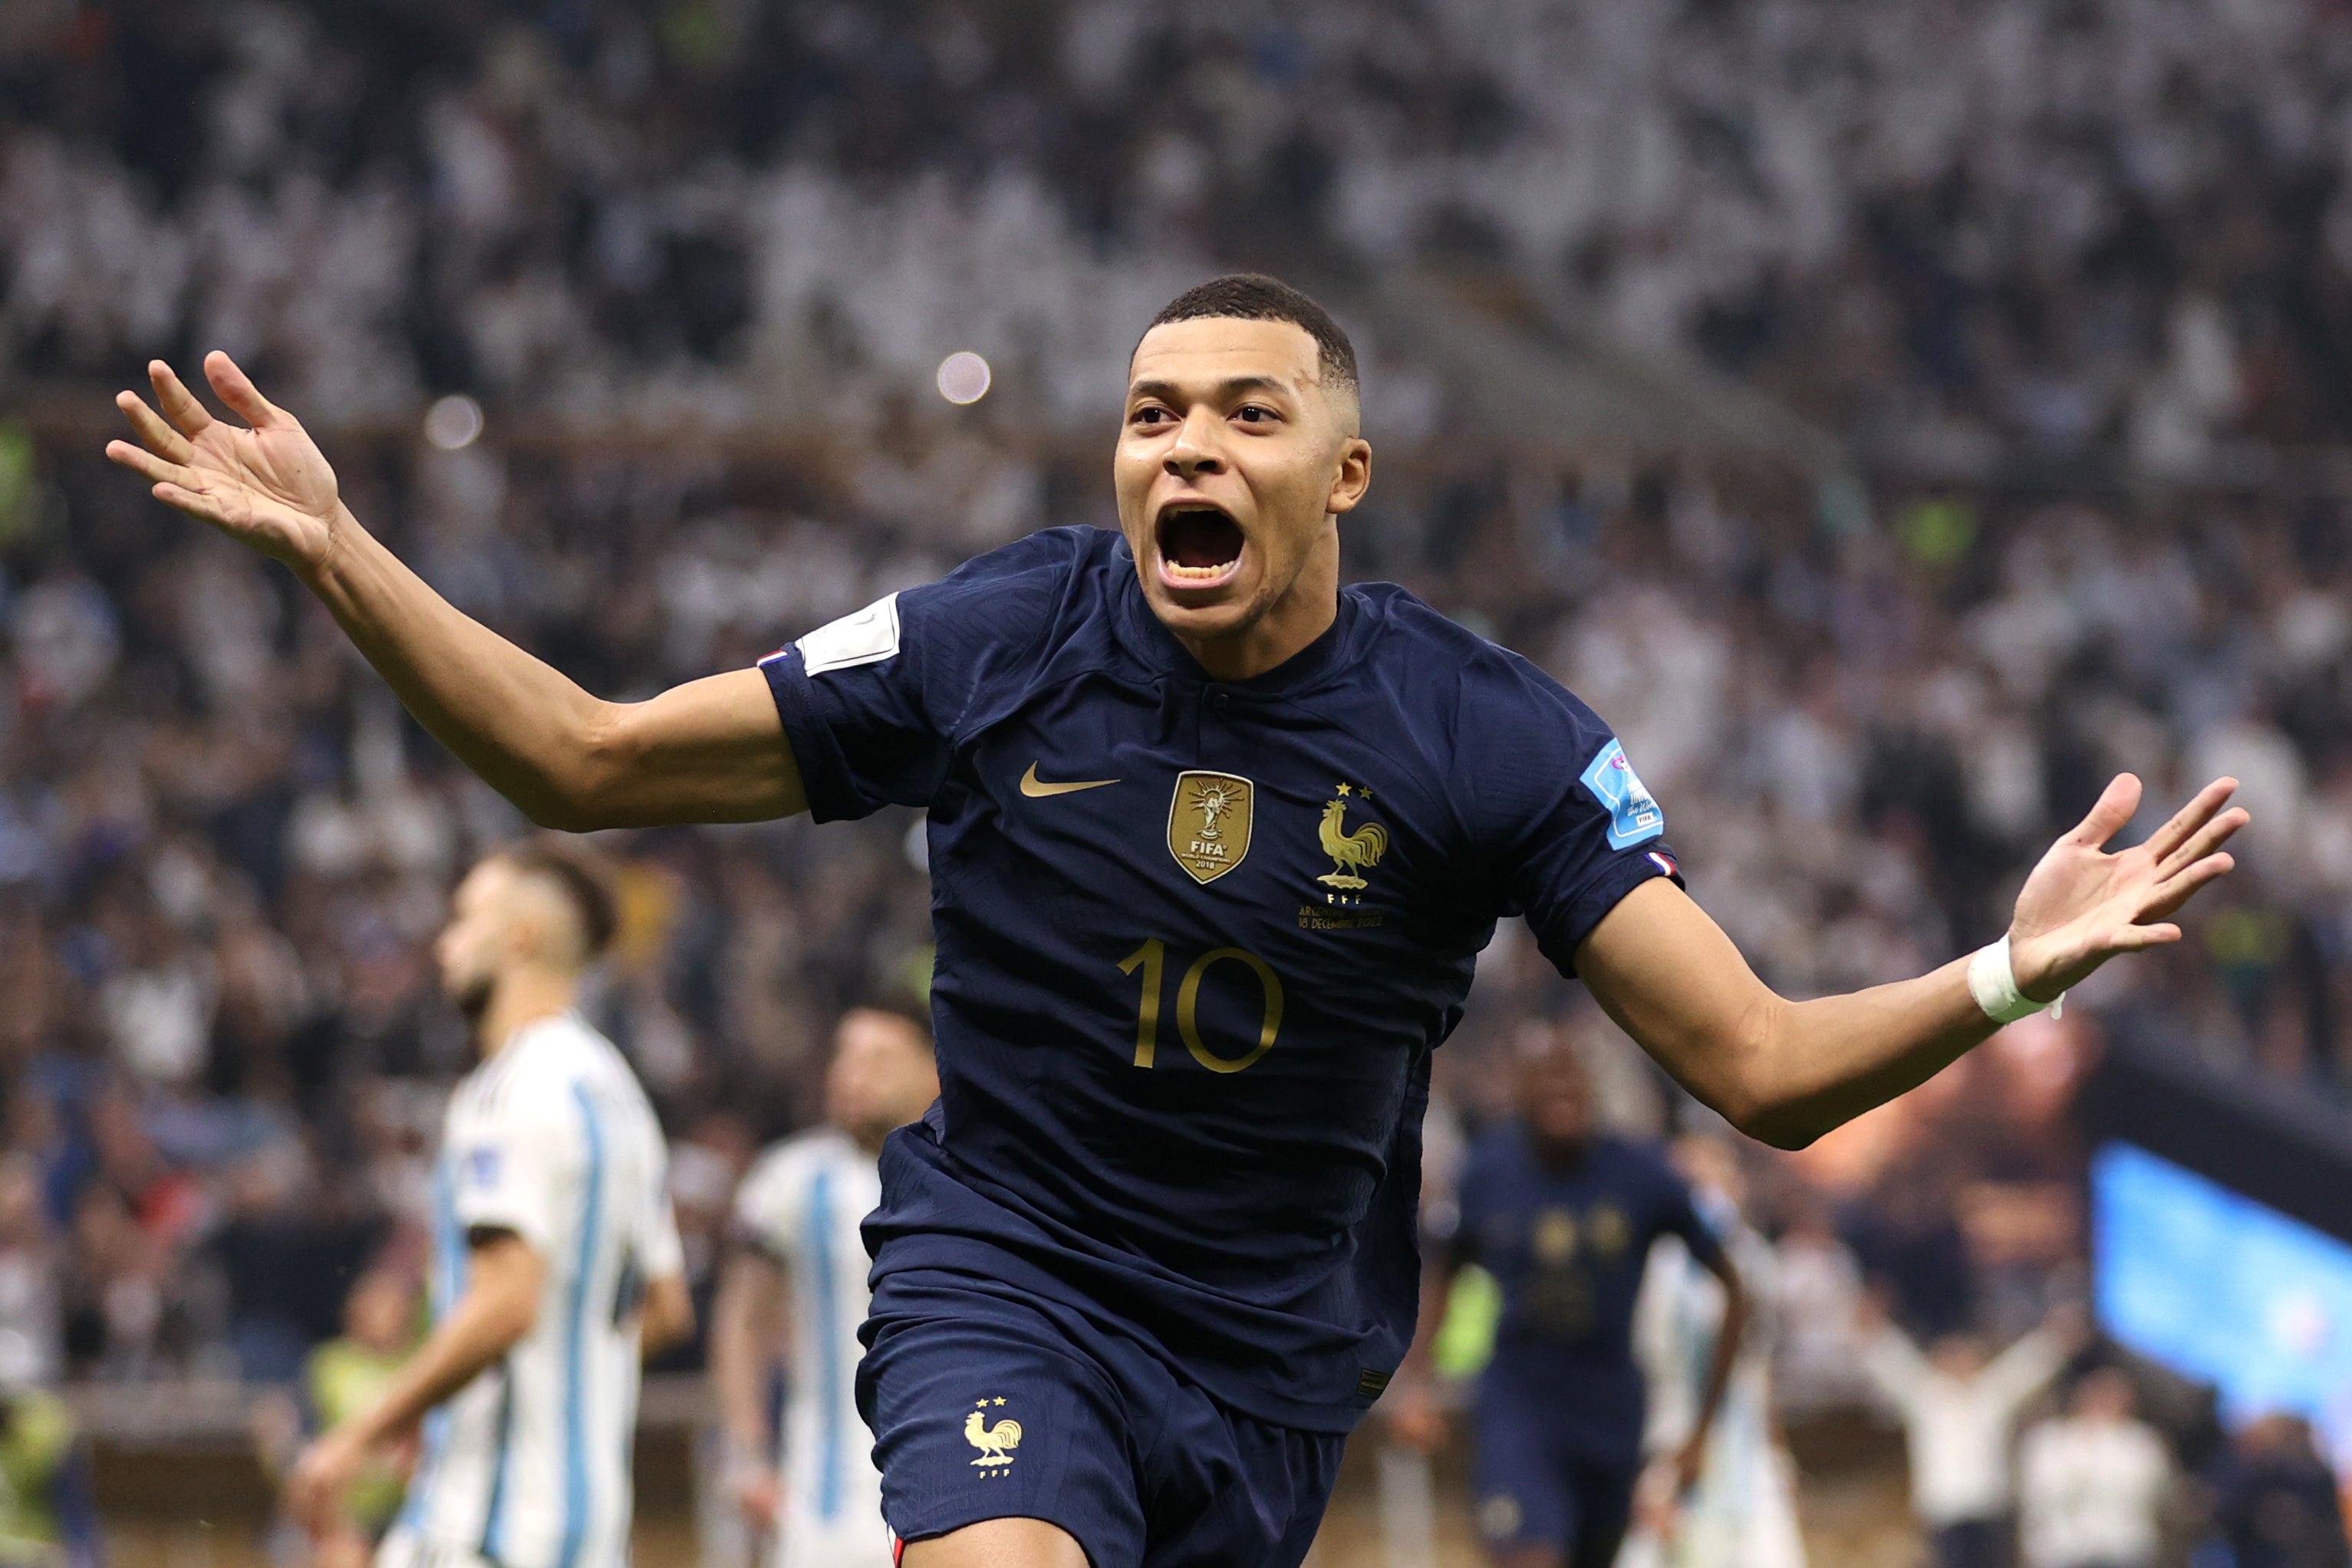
995, 1440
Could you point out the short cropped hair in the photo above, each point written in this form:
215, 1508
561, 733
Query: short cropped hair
1254, 297
582, 876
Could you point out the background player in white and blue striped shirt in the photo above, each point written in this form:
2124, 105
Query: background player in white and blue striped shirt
795, 1292
556, 1259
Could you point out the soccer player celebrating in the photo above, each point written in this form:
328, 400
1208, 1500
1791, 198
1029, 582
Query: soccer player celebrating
1214, 844
796, 1223
556, 1259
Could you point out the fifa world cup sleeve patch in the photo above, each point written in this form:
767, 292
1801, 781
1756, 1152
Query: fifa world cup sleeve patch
1634, 817
866, 636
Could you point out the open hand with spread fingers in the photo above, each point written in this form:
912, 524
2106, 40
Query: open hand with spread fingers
2082, 906
264, 483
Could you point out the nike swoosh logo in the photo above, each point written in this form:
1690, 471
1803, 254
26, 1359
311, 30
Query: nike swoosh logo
1037, 789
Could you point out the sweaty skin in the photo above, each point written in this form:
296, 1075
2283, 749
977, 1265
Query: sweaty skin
1234, 417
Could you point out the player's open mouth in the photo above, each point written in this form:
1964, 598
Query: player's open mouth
1200, 545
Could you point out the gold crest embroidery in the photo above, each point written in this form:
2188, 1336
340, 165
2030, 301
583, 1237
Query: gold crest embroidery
1351, 853
1209, 823
1554, 1238
994, 1440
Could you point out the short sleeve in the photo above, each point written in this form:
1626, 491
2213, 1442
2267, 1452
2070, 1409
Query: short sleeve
767, 1210
1560, 819
514, 1162
871, 703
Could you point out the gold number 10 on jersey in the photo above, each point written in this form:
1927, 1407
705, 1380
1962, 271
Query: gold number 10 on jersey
1152, 959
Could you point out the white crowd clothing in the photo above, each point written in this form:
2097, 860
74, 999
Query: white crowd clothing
802, 1206
1815, 1354
1959, 1429
2091, 1493
1743, 1511
528, 1466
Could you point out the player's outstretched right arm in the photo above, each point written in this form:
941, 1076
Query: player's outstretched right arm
1787, 1072
709, 750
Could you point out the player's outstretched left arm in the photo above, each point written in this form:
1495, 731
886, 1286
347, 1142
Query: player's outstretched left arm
1786, 1072
499, 1308
709, 750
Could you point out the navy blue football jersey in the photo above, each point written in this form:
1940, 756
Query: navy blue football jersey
1197, 940
1567, 1245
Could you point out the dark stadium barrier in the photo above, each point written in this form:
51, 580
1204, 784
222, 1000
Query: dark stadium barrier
2279, 1143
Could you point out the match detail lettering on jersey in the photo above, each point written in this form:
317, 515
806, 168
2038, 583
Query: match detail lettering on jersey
1037, 788
1209, 823
1634, 817
868, 637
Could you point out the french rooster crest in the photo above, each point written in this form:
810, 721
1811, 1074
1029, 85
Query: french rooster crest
995, 1442
1350, 852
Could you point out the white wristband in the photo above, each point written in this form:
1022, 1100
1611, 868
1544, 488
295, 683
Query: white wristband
1993, 984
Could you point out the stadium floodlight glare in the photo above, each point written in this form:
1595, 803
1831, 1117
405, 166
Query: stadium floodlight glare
963, 377
453, 422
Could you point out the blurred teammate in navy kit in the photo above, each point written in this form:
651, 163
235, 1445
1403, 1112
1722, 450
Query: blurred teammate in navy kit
1563, 1214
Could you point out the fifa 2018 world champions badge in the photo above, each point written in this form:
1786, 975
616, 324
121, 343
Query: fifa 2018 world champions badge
1209, 821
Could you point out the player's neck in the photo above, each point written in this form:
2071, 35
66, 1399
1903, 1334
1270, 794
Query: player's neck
1305, 612
524, 996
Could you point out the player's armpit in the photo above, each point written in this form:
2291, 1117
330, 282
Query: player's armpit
1782, 1072
709, 750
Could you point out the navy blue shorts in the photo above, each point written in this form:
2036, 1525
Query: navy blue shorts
1540, 1484
987, 1408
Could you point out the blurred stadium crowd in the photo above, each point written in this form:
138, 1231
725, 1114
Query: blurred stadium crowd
699, 260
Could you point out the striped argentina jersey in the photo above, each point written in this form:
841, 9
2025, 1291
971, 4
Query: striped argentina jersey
801, 1206
528, 1466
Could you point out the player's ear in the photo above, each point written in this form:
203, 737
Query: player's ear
1353, 478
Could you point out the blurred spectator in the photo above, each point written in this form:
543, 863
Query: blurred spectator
1819, 1292
47, 1512
347, 1376
2092, 1484
31, 1345
288, 1251
2278, 1505
1959, 1406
